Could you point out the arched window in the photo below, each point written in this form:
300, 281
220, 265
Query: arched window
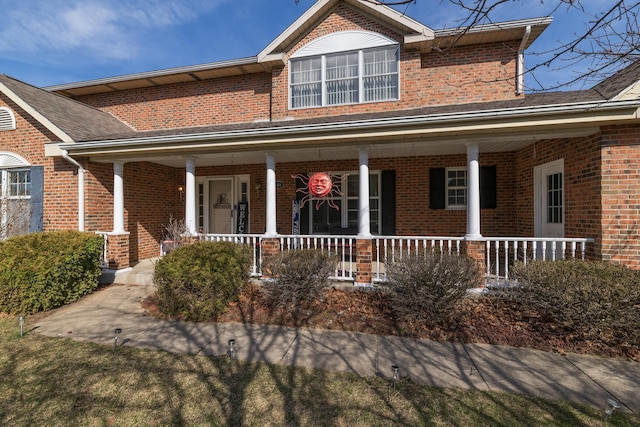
7, 119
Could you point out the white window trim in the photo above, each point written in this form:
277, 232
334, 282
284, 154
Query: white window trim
446, 188
344, 42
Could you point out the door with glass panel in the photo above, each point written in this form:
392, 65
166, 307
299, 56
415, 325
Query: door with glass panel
15, 197
549, 206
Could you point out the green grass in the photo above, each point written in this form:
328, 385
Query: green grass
59, 382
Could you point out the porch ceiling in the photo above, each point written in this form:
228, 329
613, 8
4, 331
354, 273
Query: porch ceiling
401, 146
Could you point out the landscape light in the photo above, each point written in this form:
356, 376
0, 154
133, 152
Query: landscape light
231, 349
21, 318
395, 369
612, 405
115, 341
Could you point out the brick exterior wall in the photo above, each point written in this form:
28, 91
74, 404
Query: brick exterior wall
621, 195
235, 99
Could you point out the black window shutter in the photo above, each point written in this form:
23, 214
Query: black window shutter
488, 186
388, 203
37, 190
437, 188
304, 210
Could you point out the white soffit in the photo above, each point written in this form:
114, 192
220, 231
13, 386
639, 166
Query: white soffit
344, 41
10, 160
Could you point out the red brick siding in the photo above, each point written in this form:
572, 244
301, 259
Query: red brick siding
217, 101
621, 194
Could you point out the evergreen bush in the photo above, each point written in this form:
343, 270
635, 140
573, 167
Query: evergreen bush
43, 271
196, 282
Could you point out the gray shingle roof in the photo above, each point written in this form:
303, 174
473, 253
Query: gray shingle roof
80, 121
618, 82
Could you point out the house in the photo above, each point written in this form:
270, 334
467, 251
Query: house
271, 149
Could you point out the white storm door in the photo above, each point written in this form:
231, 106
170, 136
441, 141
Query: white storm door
549, 205
221, 202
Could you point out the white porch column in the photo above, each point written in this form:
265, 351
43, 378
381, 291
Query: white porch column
473, 193
190, 196
271, 230
118, 197
364, 221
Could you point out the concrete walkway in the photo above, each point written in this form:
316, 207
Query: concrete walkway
577, 378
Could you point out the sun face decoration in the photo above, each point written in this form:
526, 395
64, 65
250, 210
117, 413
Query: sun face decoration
320, 186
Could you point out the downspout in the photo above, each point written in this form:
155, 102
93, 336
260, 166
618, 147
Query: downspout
520, 63
81, 171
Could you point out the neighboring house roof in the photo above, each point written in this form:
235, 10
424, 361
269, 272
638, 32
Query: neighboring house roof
61, 115
620, 82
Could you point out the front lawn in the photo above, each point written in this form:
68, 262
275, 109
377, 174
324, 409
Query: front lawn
56, 381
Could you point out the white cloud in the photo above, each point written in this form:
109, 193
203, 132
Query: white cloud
96, 28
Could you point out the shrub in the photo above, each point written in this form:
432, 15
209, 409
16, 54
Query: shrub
297, 278
427, 287
197, 282
42, 271
596, 300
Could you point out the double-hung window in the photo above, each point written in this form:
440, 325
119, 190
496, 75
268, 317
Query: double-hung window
456, 188
364, 75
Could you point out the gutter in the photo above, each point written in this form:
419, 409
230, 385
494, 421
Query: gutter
81, 171
350, 126
520, 63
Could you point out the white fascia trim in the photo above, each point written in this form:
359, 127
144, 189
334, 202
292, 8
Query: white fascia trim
502, 26
319, 6
35, 114
157, 73
351, 126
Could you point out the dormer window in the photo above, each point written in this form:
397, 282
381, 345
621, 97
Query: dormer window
368, 72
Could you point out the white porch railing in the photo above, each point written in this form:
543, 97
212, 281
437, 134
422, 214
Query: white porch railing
394, 248
343, 247
502, 252
252, 240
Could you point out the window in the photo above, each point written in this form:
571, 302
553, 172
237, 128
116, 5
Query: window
328, 220
448, 188
15, 202
365, 75
554, 198
456, 188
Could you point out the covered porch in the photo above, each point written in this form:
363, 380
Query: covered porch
481, 184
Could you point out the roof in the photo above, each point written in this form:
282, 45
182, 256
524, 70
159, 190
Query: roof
415, 35
617, 83
78, 121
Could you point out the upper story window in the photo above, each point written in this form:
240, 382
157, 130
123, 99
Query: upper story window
365, 70
7, 119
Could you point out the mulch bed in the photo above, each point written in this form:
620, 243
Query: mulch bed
478, 320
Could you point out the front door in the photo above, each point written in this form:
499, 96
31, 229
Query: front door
221, 203
549, 205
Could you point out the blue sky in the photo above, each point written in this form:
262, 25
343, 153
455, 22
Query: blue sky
48, 42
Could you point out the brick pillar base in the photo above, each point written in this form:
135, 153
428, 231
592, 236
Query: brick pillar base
268, 247
364, 250
475, 249
118, 251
